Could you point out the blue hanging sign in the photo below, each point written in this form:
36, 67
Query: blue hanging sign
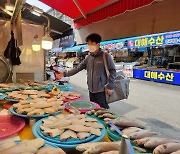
67, 41
162, 39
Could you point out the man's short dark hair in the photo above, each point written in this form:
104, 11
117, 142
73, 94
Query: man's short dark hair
94, 38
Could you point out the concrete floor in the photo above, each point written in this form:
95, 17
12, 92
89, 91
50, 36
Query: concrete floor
155, 105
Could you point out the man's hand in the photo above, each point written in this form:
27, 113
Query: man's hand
59, 75
109, 91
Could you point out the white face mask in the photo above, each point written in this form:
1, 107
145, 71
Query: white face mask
92, 48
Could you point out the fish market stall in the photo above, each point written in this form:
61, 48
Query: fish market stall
59, 119
38, 116
34, 108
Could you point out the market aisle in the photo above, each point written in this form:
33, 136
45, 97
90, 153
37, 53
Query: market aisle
153, 104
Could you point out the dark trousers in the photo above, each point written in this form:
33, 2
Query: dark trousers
99, 98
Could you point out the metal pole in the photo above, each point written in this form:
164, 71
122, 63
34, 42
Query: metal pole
18, 6
47, 19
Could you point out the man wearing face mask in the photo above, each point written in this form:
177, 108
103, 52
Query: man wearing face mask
96, 74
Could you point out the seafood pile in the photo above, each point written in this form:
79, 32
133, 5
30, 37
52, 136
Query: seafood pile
34, 94
38, 106
104, 114
28, 147
147, 139
24, 94
99, 148
68, 95
4, 86
32, 84
143, 138
114, 147
159, 144
71, 127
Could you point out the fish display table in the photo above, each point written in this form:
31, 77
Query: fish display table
141, 139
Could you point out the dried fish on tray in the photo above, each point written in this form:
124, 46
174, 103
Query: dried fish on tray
69, 130
37, 108
37, 145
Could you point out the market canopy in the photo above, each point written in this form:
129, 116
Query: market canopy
85, 12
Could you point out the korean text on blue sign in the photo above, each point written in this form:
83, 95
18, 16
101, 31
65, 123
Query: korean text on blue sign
158, 76
162, 39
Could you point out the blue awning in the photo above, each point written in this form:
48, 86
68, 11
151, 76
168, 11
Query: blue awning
57, 50
77, 48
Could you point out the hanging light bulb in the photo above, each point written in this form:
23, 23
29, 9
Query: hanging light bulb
9, 6
47, 41
35, 44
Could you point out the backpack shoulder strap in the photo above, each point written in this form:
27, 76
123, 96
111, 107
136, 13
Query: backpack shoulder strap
105, 64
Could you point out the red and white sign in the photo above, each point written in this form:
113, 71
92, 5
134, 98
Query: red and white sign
128, 71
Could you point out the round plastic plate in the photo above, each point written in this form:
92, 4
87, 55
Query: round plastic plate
70, 143
60, 87
12, 110
7, 90
2, 91
11, 100
57, 139
68, 100
113, 135
15, 100
11, 89
2, 96
10, 125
